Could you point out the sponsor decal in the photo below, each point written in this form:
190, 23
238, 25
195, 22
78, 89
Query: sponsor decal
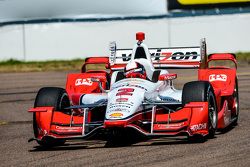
122, 100
184, 56
168, 76
125, 91
170, 126
168, 99
133, 82
116, 115
67, 128
122, 109
161, 55
217, 77
86, 81
197, 127
121, 105
167, 55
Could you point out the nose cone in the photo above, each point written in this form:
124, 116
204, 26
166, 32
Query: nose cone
124, 102
140, 36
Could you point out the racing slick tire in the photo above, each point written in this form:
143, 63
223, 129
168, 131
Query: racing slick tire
202, 91
236, 106
50, 97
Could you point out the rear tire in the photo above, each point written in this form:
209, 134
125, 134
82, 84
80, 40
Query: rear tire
202, 91
236, 101
50, 97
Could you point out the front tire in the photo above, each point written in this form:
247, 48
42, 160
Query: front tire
202, 91
50, 97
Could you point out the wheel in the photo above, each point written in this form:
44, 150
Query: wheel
236, 107
202, 91
50, 97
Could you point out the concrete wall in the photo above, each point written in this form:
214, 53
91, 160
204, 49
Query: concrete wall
229, 33
225, 33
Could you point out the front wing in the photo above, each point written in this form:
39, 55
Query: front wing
191, 120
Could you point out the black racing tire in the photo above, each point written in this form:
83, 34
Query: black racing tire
237, 105
202, 91
50, 97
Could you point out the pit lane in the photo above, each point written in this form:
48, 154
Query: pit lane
17, 94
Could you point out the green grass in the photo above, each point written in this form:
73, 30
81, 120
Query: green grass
76, 64
54, 65
243, 57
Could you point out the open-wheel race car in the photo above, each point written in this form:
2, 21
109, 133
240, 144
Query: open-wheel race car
135, 94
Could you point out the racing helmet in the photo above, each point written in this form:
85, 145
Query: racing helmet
135, 70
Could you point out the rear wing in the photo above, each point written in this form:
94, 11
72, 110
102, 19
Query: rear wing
163, 58
95, 60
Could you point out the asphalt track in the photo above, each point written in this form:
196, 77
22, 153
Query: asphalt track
17, 93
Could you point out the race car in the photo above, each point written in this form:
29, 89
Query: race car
134, 94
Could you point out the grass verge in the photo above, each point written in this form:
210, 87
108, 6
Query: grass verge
55, 65
243, 57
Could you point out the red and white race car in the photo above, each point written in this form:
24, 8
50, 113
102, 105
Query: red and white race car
135, 95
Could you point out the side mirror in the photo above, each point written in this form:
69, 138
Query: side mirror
165, 77
98, 79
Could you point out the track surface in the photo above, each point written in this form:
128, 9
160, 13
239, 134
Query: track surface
17, 94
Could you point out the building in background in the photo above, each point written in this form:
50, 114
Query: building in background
66, 29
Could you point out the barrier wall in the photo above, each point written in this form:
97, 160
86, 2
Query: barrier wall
224, 33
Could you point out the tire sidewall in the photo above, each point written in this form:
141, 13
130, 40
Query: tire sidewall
202, 91
212, 122
50, 97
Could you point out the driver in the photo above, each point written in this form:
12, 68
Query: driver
135, 70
